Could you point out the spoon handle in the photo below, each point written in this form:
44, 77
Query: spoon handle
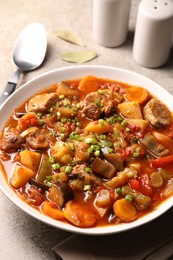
10, 86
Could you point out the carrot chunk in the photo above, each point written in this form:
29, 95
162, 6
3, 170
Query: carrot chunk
137, 94
89, 84
125, 210
52, 211
78, 215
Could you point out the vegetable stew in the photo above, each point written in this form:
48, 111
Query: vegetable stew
90, 152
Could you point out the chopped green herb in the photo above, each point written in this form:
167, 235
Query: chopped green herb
90, 149
92, 159
137, 149
48, 183
49, 178
39, 115
148, 156
136, 154
73, 163
62, 136
118, 190
68, 169
63, 120
110, 120
41, 122
124, 123
98, 102
110, 150
101, 122
91, 140
119, 118
102, 137
72, 147
127, 129
129, 197
88, 169
51, 159
135, 176
56, 166
100, 91
63, 129
78, 123
74, 136
58, 114
66, 102
97, 153
87, 187
61, 96
74, 109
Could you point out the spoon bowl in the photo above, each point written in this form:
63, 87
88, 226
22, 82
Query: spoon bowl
28, 54
30, 48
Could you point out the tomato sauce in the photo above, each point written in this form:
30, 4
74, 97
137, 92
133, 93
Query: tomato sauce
89, 158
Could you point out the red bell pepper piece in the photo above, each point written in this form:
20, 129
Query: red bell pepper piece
134, 184
145, 186
162, 162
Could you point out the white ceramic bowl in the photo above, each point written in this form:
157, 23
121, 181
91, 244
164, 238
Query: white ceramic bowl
75, 72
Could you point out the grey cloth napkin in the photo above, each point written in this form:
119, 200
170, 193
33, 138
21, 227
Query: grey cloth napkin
153, 241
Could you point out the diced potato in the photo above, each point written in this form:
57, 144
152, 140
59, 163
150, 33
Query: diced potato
30, 159
65, 112
20, 176
62, 152
62, 176
100, 127
62, 88
139, 122
130, 110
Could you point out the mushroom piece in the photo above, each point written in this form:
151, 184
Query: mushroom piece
153, 146
103, 168
115, 159
60, 193
156, 113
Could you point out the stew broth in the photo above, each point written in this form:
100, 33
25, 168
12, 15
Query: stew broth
91, 152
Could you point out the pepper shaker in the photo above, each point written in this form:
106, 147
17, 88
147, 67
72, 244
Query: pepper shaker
153, 34
110, 21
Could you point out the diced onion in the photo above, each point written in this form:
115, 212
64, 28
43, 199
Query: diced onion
28, 131
168, 189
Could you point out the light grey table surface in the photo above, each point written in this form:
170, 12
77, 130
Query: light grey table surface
21, 236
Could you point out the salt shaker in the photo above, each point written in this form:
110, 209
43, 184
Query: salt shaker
110, 21
153, 33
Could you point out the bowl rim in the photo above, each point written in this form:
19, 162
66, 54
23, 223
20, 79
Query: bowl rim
20, 95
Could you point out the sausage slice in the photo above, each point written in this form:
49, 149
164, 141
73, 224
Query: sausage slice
156, 113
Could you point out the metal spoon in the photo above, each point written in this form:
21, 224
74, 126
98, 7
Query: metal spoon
28, 54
